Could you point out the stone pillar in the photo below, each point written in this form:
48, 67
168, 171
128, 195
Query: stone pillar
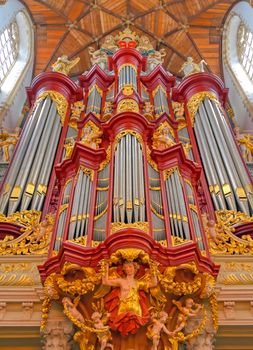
58, 335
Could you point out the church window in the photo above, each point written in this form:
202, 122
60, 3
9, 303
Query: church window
245, 49
9, 46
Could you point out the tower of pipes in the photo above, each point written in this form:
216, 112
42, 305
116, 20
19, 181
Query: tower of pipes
125, 180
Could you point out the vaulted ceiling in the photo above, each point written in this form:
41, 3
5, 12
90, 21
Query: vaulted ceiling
183, 27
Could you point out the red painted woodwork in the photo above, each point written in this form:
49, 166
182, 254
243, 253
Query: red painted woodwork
197, 83
123, 239
54, 81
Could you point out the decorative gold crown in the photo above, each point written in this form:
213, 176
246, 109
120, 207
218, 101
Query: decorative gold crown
127, 35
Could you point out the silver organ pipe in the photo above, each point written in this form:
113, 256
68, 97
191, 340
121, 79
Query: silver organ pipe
62, 215
194, 215
101, 209
215, 149
128, 191
156, 204
29, 179
160, 101
94, 100
127, 76
79, 219
244, 193
177, 210
19, 156
39, 157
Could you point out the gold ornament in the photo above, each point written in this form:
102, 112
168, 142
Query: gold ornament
60, 101
34, 241
64, 65
221, 237
141, 225
128, 105
127, 90
129, 131
163, 137
76, 109
195, 101
26, 218
91, 135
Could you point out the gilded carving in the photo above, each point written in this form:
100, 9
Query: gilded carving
64, 65
7, 144
25, 219
138, 288
116, 226
34, 241
59, 100
245, 142
76, 109
128, 105
91, 135
195, 101
163, 137
221, 237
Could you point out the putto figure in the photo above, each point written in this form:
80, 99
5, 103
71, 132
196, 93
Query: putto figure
127, 302
156, 328
187, 309
103, 332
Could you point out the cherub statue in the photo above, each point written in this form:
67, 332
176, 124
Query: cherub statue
70, 308
245, 143
98, 57
187, 309
155, 58
163, 139
156, 328
104, 334
91, 138
128, 299
190, 67
64, 65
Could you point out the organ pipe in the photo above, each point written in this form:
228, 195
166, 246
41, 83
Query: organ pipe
128, 192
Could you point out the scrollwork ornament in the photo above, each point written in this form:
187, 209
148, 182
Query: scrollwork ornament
195, 101
221, 237
60, 101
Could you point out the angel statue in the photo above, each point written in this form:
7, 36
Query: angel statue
64, 65
127, 302
190, 67
156, 328
104, 335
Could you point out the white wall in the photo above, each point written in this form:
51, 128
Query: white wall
241, 101
13, 93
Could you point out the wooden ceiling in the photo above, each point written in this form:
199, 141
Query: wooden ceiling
183, 27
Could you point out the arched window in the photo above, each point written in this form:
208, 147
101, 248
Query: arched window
245, 48
237, 58
9, 45
16, 61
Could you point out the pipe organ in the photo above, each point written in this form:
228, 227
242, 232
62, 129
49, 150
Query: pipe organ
133, 169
